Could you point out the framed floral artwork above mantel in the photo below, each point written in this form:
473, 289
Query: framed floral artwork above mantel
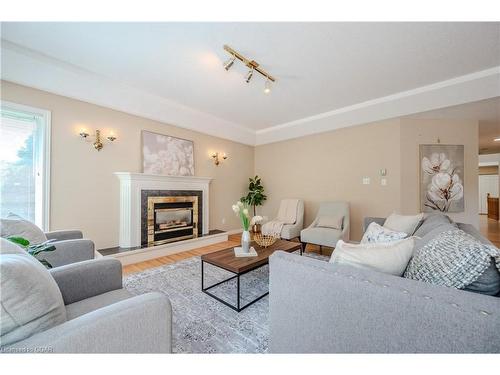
441, 178
166, 155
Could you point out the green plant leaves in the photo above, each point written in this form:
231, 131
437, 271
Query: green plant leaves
255, 196
34, 250
19, 241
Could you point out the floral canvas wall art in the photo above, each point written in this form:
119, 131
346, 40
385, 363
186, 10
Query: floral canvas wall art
165, 155
442, 178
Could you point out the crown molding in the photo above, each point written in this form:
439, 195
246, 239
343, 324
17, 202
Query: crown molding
30, 68
27, 67
472, 87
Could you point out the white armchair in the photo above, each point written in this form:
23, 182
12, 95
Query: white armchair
327, 236
290, 231
285, 215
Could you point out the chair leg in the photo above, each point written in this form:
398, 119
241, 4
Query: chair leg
321, 249
303, 247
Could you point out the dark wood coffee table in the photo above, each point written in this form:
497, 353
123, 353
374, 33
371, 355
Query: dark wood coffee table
226, 260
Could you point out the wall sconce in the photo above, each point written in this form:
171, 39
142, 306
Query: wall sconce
215, 156
98, 145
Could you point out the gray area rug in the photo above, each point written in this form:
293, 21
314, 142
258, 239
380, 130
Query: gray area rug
201, 324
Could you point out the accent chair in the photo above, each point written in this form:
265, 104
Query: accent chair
77, 308
332, 223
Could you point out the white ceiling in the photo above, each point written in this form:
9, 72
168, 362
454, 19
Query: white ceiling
320, 67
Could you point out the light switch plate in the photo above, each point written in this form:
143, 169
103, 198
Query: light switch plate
383, 182
366, 180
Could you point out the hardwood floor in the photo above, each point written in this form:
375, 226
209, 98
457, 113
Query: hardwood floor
490, 229
234, 240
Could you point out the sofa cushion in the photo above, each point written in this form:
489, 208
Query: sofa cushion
321, 236
403, 223
76, 309
376, 233
31, 302
14, 225
452, 258
431, 222
390, 257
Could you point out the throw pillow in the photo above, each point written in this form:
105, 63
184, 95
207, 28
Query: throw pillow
431, 222
14, 225
334, 222
488, 283
403, 223
31, 301
390, 257
454, 259
377, 233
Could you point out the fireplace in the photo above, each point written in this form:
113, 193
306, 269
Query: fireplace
172, 219
170, 216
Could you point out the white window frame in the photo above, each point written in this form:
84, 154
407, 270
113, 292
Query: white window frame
43, 165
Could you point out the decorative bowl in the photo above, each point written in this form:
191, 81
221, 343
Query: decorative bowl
265, 240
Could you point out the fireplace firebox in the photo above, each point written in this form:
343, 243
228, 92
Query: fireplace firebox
171, 218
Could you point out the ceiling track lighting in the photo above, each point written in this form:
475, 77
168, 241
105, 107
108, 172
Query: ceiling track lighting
249, 75
229, 63
252, 64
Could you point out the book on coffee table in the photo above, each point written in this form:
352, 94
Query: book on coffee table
238, 252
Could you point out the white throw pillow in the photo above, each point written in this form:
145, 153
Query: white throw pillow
403, 223
376, 233
334, 222
31, 301
390, 257
14, 225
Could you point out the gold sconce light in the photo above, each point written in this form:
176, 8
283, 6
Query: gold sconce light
216, 155
98, 144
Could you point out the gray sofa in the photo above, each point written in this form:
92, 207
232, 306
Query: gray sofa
350, 310
71, 247
95, 314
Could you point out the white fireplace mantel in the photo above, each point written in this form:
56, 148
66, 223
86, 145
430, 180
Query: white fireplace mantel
131, 185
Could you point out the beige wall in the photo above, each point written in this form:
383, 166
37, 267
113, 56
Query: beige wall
418, 131
84, 191
331, 166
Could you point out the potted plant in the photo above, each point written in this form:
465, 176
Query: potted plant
255, 197
34, 250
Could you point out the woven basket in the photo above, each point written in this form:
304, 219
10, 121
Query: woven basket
265, 240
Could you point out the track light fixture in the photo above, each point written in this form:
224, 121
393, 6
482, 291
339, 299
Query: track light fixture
249, 75
252, 64
229, 63
267, 86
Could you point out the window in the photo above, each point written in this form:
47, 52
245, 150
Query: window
24, 162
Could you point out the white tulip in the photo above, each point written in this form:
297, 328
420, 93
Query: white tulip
245, 211
239, 204
236, 209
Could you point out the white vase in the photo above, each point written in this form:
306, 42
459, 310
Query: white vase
245, 241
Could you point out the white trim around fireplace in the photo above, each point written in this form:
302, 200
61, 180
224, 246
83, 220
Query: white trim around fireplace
131, 185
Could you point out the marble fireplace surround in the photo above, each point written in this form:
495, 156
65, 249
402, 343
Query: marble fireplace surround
131, 187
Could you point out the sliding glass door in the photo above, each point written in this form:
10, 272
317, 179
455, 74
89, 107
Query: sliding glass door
24, 163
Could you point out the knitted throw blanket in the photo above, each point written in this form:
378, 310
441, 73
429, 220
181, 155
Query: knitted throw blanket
453, 259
